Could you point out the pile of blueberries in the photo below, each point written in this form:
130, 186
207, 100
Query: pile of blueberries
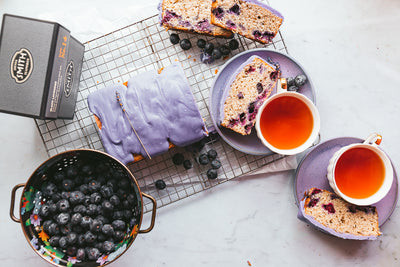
87, 209
294, 83
209, 51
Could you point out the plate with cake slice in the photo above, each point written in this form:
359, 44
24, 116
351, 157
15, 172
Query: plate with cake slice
240, 88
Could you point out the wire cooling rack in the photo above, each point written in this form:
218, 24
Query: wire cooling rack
143, 46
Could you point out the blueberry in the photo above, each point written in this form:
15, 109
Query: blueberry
127, 214
49, 189
212, 154
63, 205
44, 210
93, 254
81, 240
56, 197
113, 183
108, 246
118, 215
65, 195
94, 186
63, 242
87, 169
76, 197
71, 251
54, 229
174, 38
67, 184
206, 58
86, 222
118, 225
95, 198
103, 219
89, 237
72, 238
96, 226
300, 80
215, 164
107, 206
201, 43
212, 174
46, 225
54, 240
91, 210
107, 229
59, 176
160, 184
225, 50
76, 219
119, 235
63, 218
290, 81
203, 159
293, 88
72, 171
233, 44
80, 254
65, 229
178, 158
84, 188
216, 54
86, 200
106, 191
187, 164
114, 199
209, 48
185, 44
80, 209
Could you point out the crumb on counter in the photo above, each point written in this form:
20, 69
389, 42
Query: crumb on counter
176, 59
160, 70
216, 71
194, 60
189, 56
248, 263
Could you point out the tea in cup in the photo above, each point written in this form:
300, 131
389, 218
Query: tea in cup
361, 173
288, 122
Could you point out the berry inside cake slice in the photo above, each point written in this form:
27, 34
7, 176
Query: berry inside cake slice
245, 94
331, 214
250, 18
189, 15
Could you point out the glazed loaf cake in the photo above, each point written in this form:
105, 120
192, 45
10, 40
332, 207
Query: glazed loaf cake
330, 213
250, 18
247, 90
191, 16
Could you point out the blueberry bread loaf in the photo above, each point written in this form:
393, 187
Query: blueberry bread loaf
250, 18
191, 16
245, 94
331, 214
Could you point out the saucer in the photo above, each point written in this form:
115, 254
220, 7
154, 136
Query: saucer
311, 172
250, 144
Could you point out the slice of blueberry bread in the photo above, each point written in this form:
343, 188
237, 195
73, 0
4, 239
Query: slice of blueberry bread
250, 18
246, 92
190, 16
331, 214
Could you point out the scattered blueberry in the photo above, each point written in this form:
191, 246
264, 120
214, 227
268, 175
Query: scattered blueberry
290, 81
203, 159
185, 44
216, 53
225, 50
206, 58
201, 43
178, 159
233, 44
187, 164
174, 38
160, 184
293, 88
212, 154
215, 164
212, 174
300, 80
209, 48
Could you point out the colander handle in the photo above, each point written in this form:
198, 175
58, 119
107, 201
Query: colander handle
153, 214
15, 219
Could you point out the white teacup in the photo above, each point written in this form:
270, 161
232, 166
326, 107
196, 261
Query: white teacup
361, 173
281, 128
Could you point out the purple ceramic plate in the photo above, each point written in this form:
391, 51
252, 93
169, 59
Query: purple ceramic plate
250, 144
311, 172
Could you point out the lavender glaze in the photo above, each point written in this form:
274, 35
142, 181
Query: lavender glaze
161, 108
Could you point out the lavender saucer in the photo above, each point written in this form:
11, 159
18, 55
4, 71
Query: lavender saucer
311, 172
250, 144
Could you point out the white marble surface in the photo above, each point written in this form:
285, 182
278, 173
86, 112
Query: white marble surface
351, 51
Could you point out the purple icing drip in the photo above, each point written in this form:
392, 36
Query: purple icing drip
161, 107
308, 219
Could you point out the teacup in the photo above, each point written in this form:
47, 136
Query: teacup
288, 122
361, 173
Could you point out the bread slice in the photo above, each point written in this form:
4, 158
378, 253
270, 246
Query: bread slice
251, 85
250, 18
331, 214
190, 16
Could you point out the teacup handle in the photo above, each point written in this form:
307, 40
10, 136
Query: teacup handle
373, 139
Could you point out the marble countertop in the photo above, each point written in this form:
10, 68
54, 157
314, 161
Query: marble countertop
351, 51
